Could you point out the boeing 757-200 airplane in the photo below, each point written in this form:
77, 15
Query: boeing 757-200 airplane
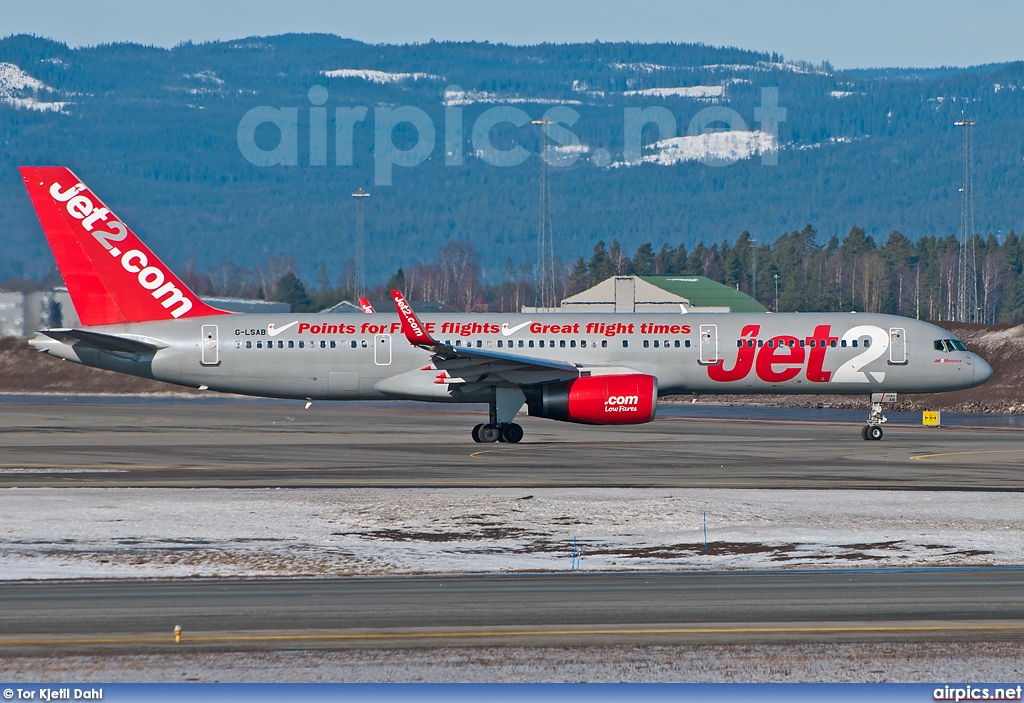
603, 369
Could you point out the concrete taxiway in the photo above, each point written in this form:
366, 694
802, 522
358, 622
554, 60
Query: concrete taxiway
251, 444
550, 609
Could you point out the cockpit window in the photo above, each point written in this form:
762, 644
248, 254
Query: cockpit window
949, 345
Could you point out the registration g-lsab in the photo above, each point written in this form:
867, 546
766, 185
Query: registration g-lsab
602, 369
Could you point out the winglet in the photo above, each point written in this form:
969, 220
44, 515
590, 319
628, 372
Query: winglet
413, 329
365, 305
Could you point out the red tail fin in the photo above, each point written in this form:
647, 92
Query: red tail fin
365, 305
413, 329
111, 275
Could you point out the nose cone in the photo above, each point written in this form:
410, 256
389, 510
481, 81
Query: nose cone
982, 370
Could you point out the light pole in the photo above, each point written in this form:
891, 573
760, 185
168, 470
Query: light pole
776, 308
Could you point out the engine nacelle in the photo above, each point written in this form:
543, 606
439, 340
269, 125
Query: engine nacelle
624, 399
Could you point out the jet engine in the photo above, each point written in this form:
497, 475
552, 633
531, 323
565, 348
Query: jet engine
623, 399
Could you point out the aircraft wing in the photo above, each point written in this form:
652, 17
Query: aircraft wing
101, 341
474, 365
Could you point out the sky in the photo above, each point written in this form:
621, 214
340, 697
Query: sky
862, 34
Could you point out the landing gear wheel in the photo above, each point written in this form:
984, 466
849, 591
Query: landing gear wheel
874, 432
863, 433
512, 433
476, 433
489, 434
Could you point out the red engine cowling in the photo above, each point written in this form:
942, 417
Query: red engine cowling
597, 400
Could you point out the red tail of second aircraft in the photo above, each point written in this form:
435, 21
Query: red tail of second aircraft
111, 275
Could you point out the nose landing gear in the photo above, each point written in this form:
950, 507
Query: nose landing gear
873, 430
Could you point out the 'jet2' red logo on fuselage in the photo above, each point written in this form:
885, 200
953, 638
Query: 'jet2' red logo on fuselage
780, 359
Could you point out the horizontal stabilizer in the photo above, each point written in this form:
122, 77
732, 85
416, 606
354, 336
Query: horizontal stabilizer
103, 342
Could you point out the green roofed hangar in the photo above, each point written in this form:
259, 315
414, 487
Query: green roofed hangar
682, 293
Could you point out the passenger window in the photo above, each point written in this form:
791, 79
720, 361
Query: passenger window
551, 343
854, 344
802, 343
572, 343
333, 344
363, 344
646, 344
739, 343
760, 343
259, 345
867, 343
479, 343
842, 344
561, 343
531, 344
542, 344
583, 343
323, 344
248, 345
500, 344
458, 342
687, 343
625, 343
353, 344
832, 343
604, 342
521, 344
814, 343
302, 344
676, 344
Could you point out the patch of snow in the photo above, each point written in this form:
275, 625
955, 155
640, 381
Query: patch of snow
382, 77
13, 79
17, 89
138, 532
830, 140
461, 98
644, 67
693, 91
206, 77
725, 147
33, 104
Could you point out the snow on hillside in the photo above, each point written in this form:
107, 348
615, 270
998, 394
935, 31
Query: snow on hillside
16, 88
14, 79
645, 67
382, 77
700, 92
461, 98
724, 147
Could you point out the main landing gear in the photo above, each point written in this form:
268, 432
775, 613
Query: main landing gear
505, 404
873, 430
509, 432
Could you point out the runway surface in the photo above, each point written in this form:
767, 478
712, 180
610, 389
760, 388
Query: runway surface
562, 609
254, 444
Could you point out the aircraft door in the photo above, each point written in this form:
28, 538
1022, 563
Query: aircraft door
382, 349
709, 344
897, 345
211, 346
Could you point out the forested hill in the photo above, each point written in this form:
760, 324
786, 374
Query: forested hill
155, 132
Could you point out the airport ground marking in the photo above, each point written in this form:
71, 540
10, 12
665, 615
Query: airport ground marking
926, 457
881, 629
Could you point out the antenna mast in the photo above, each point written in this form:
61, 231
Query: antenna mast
359, 273
967, 293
